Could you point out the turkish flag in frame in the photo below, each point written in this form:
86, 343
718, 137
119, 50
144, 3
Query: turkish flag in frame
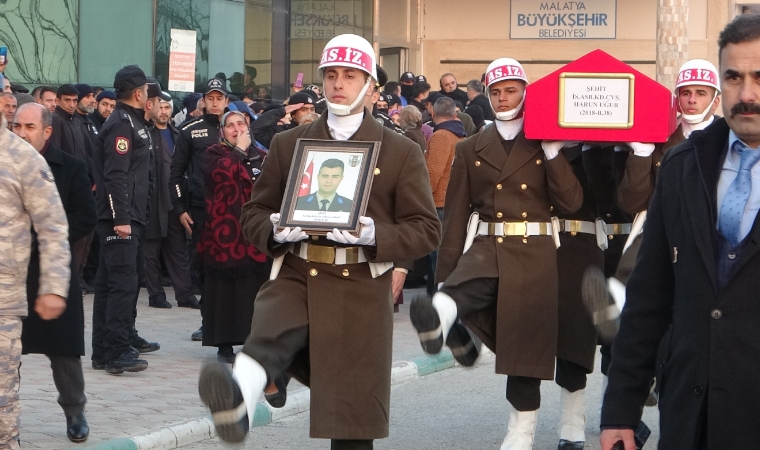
598, 98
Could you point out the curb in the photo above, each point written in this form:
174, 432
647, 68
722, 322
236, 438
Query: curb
200, 429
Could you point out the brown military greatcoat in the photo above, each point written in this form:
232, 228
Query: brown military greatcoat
521, 325
349, 314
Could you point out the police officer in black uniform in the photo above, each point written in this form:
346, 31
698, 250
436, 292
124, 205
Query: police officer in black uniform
123, 175
195, 136
380, 115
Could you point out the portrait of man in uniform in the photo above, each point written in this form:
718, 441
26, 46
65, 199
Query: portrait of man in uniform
326, 197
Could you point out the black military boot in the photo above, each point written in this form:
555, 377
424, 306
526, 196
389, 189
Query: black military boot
125, 363
143, 346
159, 301
197, 334
77, 428
221, 394
427, 323
462, 346
278, 399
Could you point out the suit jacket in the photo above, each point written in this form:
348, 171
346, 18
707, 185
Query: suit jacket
343, 305
710, 358
64, 335
514, 187
310, 203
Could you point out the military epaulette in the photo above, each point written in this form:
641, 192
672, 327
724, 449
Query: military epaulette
123, 115
191, 123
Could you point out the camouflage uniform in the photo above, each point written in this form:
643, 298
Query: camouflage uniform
28, 195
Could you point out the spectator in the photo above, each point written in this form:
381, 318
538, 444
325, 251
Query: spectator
164, 234
476, 112
382, 103
6, 84
308, 118
395, 115
406, 81
476, 96
275, 119
411, 122
106, 102
28, 198
306, 100
61, 340
243, 108
420, 92
190, 109
8, 106
36, 93
450, 89
96, 90
65, 136
47, 98
23, 99
234, 269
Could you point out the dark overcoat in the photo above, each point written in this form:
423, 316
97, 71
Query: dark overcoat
711, 357
348, 313
521, 326
64, 335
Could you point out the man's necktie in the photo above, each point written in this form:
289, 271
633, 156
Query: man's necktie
324, 205
732, 208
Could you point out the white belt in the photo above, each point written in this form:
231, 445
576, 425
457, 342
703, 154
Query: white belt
515, 229
578, 226
328, 255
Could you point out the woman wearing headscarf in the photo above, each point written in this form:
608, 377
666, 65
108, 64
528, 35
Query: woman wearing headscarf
234, 268
411, 123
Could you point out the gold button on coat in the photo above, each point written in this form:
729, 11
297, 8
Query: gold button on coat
551, 208
525, 240
573, 233
524, 215
657, 164
315, 238
499, 215
523, 186
499, 240
498, 186
345, 272
539, 162
377, 171
610, 237
477, 163
313, 272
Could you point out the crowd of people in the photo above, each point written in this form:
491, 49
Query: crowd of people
526, 245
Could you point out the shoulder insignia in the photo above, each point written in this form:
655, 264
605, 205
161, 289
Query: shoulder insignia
46, 176
340, 201
191, 123
310, 198
124, 116
122, 145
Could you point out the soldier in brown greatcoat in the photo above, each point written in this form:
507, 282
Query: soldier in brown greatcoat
504, 287
326, 319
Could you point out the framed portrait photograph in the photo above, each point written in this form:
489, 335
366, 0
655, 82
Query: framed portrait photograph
328, 185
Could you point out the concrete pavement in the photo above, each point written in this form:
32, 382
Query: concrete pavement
161, 405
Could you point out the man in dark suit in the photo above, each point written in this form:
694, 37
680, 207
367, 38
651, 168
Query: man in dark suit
62, 339
697, 273
326, 198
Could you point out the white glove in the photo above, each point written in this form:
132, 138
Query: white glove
552, 148
286, 235
367, 236
640, 149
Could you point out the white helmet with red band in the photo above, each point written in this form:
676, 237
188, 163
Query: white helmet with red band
506, 69
349, 50
697, 72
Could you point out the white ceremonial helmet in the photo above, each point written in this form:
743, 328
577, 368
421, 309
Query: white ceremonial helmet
349, 50
506, 69
698, 72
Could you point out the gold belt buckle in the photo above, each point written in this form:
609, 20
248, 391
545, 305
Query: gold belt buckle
320, 254
515, 228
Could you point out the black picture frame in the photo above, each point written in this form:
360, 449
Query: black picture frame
348, 199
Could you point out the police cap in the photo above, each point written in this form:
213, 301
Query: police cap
215, 84
129, 78
154, 87
301, 97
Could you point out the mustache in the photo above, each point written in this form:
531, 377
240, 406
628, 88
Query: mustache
745, 108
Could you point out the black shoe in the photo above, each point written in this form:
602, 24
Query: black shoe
197, 334
86, 288
567, 445
226, 354
98, 365
159, 302
278, 399
125, 363
425, 320
597, 300
462, 346
221, 394
143, 346
192, 303
77, 429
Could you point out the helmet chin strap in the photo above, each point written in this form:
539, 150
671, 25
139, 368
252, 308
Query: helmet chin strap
511, 114
344, 110
693, 119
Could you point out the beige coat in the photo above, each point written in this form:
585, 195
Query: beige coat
349, 313
521, 326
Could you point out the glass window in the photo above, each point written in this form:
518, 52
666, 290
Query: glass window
41, 36
227, 42
105, 48
184, 15
258, 48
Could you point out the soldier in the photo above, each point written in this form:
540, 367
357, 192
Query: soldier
504, 287
28, 197
307, 321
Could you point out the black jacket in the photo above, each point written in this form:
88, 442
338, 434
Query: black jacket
161, 200
265, 127
457, 95
482, 101
710, 357
97, 120
70, 135
64, 335
123, 167
195, 136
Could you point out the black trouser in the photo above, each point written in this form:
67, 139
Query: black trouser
174, 249
524, 393
198, 214
351, 444
116, 288
140, 268
570, 376
432, 262
69, 380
